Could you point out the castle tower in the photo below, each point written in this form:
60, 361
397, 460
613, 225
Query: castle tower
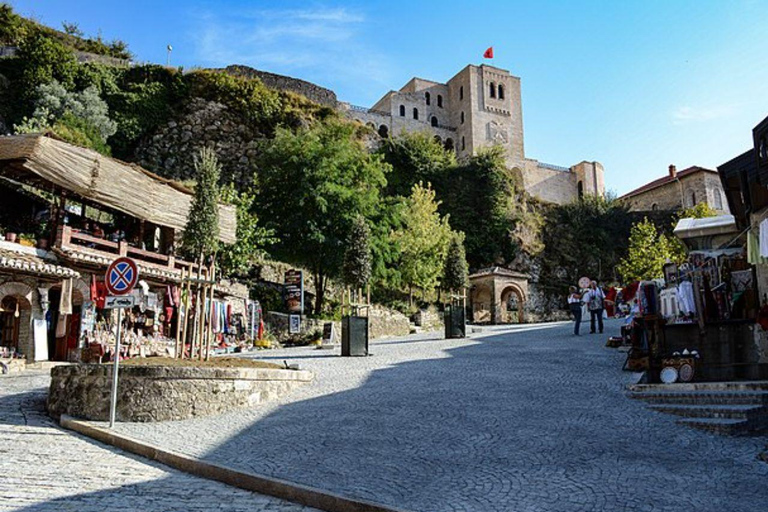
590, 179
487, 109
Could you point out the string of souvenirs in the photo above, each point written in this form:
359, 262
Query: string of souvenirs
149, 327
693, 323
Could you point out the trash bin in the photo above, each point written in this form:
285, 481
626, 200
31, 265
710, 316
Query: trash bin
455, 321
354, 336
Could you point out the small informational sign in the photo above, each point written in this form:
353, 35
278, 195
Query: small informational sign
122, 275
329, 334
119, 302
294, 324
584, 282
294, 291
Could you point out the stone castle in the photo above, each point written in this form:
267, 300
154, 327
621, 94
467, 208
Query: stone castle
479, 106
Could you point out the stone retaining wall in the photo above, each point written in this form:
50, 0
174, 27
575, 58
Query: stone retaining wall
162, 393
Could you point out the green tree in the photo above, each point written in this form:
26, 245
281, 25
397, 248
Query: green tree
648, 251
44, 60
357, 255
415, 157
455, 272
236, 260
587, 237
484, 201
313, 184
422, 240
55, 104
201, 234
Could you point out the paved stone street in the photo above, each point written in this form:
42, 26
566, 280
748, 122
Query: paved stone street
527, 420
44, 468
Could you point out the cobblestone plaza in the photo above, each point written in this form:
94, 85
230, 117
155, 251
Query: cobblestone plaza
526, 419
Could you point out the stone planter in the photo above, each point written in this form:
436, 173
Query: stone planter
162, 393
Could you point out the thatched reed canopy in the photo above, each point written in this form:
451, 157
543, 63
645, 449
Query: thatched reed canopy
46, 162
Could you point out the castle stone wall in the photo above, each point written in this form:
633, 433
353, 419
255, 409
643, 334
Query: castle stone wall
285, 83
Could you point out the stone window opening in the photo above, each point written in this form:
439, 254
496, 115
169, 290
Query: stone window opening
449, 144
383, 131
426, 96
654, 207
433, 121
463, 144
492, 90
691, 199
580, 187
461, 92
415, 113
501, 91
438, 139
462, 118
439, 101
402, 110
718, 200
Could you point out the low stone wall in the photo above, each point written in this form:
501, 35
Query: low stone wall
162, 393
384, 323
429, 319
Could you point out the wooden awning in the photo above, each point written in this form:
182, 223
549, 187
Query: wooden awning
45, 161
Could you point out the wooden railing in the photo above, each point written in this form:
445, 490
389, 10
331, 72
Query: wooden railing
68, 238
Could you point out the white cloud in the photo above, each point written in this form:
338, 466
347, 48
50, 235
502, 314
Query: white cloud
318, 44
687, 114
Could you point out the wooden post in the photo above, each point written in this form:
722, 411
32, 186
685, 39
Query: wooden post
210, 322
202, 293
178, 318
185, 330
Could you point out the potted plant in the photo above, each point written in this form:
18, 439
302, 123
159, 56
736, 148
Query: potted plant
10, 236
42, 235
27, 240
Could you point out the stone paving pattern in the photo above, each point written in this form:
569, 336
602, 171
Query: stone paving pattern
528, 420
45, 468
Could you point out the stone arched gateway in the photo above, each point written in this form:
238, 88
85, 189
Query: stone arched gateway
498, 295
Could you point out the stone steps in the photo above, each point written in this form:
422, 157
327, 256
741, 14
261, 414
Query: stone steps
722, 408
756, 397
733, 412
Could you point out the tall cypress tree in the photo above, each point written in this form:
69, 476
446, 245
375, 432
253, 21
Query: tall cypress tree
201, 235
455, 274
357, 255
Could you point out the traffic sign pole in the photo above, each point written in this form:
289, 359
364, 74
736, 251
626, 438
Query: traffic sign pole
113, 401
121, 277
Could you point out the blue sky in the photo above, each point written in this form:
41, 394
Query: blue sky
637, 85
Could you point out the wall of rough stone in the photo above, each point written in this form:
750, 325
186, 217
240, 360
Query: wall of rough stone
201, 123
286, 83
162, 393
555, 186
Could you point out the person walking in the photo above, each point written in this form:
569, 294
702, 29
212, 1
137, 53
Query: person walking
595, 299
574, 303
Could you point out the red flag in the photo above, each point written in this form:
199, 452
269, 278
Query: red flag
488, 53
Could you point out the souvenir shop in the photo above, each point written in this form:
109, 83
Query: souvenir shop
699, 323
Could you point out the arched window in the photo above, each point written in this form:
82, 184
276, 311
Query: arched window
383, 131
440, 101
492, 89
402, 110
581, 190
426, 96
718, 200
370, 125
461, 92
654, 207
415, 113
433, 121
463, 144
462, 118
449, 144
501, 91
438, 139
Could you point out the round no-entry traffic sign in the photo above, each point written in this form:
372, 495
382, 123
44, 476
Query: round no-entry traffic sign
121, 277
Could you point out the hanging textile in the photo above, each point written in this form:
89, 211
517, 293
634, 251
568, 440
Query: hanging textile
686, 303
65, 302
61, 326
764, 238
